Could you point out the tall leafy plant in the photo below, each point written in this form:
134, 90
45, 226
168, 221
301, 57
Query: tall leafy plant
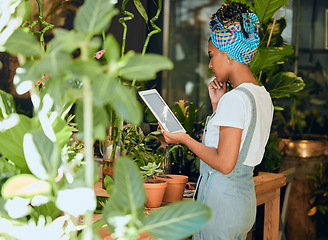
56, 177
268, 66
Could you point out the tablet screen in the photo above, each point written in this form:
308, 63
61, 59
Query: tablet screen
164, 114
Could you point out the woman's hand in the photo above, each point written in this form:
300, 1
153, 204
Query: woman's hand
173, 137
216, 90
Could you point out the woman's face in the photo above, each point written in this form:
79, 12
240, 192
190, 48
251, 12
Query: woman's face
218, 63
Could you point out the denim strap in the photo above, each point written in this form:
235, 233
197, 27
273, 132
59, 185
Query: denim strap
244, 150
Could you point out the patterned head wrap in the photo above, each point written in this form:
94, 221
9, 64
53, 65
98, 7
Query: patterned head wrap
230, 39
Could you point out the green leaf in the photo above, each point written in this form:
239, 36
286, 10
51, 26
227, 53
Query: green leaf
128, 197
29, 71
7, 104
189, 122
129, 185
145, 67
7, 168
112, 49
55, 63
62, 131
265, 9
23, 43
41, 154
141, 9
276, 38
267, 56
179, 113
124, 101
177, 220
90, 69
24, 185
65, 40
94, 16
283, 84
11, 143
100, 121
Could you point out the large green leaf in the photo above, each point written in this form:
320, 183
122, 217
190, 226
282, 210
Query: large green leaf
7, 104
41, 154
112, 49
24, 185
23, 43
55, 63
266, 57
62, 131
276, 38
145, 67
128, 197
129, 185
178, 220
11, 143
108, 90
65, 40
265, 9
94, 16
100, 121
283, 84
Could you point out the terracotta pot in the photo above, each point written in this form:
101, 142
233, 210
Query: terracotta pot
176, 185
154, 192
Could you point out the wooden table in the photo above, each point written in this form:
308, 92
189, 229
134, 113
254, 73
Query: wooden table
267, 188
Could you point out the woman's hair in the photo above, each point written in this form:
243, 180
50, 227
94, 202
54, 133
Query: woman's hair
231, 13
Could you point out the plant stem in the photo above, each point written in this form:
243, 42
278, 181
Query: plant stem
270, 36
122, 20
88, 144
47, 26
152, 22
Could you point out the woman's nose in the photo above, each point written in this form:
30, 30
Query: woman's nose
210, 65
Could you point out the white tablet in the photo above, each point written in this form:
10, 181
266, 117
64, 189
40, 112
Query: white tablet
161, 111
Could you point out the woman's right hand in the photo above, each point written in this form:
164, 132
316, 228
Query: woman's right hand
216, 90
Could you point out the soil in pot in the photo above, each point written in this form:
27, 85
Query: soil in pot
176, 185
154, 192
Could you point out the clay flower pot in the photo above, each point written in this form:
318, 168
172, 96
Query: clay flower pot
176, 185
154, 192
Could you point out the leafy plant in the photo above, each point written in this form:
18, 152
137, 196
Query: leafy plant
136, 145
269, 65
319, 198
185, 159
151, 170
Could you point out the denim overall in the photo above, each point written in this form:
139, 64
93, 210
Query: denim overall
231, 197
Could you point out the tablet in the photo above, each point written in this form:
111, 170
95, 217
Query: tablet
161, 111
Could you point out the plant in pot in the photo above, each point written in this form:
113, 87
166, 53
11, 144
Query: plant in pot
48, 186
155, 188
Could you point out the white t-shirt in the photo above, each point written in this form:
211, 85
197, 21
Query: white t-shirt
234, 110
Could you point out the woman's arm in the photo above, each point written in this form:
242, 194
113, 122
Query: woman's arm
223, 158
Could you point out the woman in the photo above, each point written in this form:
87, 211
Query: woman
236, 133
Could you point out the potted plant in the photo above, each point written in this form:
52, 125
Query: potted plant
155, 188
